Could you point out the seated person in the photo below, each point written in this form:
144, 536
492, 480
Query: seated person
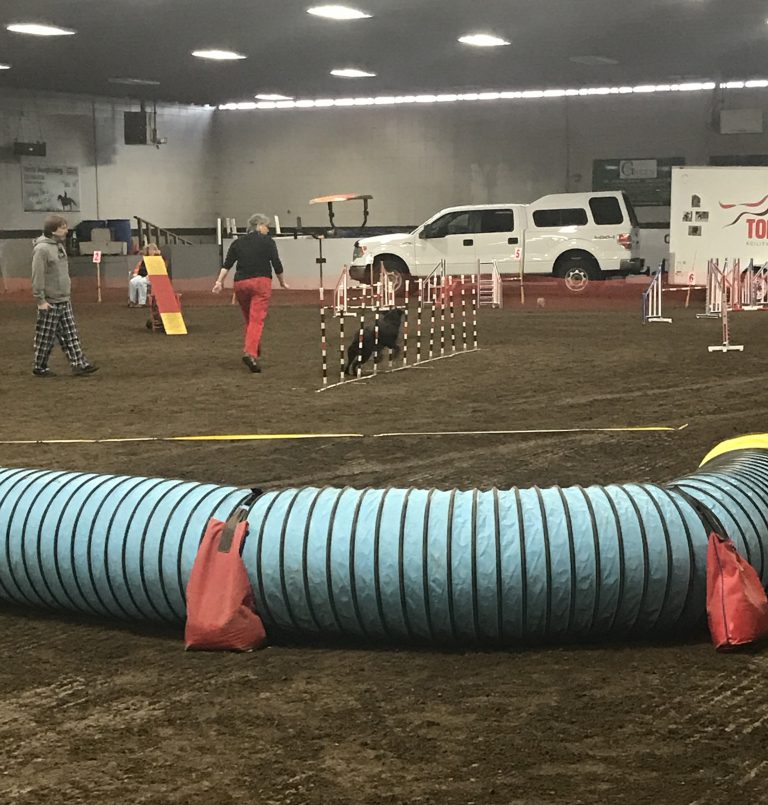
138, 284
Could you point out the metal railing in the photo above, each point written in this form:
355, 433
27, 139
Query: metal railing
152, 233
489, 291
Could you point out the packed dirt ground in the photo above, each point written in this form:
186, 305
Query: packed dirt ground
108, 712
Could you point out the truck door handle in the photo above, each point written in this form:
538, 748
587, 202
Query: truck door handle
513, 240
468, 242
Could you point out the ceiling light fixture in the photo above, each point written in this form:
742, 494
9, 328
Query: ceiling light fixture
135, 82
36, 29
483, 40
218, 55
273, 97
351, 72
5, 66
338, 13
512, 95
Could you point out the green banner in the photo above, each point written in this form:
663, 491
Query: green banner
647, 182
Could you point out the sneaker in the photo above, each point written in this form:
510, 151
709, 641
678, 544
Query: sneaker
251, 363
43, 372
87, 369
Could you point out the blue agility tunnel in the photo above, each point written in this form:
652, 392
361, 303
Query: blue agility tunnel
450, 567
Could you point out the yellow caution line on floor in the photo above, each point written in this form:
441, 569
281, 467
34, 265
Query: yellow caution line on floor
249, 437
661, 428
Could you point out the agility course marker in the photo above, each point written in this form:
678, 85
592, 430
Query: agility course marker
165, 298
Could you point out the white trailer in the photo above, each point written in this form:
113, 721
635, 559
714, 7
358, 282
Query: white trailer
716, 213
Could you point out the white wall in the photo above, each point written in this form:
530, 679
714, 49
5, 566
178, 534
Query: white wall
170, 185
412, 160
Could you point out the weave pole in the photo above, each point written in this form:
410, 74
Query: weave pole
446, 296
323, 340
432, 327
451, 300
475, 303
443, 311
375, 340
419, 308
407, 304
360, 339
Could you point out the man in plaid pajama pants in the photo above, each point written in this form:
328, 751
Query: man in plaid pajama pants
51, 288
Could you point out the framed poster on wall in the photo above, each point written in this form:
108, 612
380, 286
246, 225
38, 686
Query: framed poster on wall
647, 182
50, 188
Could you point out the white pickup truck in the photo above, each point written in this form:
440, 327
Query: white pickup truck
579, 237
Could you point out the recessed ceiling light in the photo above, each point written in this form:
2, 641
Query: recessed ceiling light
338, 13
5, 66
219, 55
38, 30
483, 40
273, 97
351, 72
135, 82
592, 61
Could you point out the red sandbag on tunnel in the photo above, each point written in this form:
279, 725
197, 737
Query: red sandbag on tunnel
737, 606
220, 604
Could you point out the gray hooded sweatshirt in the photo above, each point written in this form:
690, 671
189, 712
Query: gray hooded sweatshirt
50, 271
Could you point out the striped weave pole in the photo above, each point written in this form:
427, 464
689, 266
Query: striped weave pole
407, 301
475, 291
341, 346
376, 312
419, 309
323, 341
433, 302
443, 310
463, 316
453, 316
360, 338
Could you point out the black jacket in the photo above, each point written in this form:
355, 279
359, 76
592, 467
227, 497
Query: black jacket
255, 254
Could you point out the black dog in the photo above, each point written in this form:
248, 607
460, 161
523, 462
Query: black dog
389, 332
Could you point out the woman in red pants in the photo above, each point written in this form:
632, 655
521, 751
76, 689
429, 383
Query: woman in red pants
256, 257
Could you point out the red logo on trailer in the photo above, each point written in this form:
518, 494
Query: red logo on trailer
756, 222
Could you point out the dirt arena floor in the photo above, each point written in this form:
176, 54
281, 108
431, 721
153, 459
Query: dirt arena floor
94, 712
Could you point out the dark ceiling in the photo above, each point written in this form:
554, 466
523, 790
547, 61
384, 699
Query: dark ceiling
410, 44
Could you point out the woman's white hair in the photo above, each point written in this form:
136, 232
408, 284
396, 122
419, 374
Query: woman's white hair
256, 219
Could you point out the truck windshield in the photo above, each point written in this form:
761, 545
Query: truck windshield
630, 210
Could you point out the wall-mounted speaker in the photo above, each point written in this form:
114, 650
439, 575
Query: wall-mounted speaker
28, 149
135, 128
